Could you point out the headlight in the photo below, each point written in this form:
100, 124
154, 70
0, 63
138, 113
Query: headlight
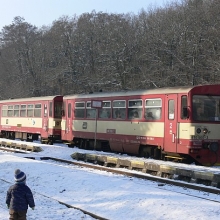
205, 130
198, 130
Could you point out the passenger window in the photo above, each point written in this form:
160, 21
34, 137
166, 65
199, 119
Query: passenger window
10, 110
37, 110
153, 109
135, 109
30, 110
4, 110
23, 111
105, 111
119, 109
16, 110
79, 110
90, 112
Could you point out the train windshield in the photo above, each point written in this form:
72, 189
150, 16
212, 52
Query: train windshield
206, 108
58, 110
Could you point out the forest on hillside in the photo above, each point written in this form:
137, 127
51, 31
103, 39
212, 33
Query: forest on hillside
177, 45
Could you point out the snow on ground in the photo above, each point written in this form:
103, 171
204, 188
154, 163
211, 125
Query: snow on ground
105, 194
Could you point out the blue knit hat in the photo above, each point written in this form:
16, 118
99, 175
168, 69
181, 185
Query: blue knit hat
19, 176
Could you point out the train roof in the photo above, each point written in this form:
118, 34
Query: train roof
42, 98
169, 90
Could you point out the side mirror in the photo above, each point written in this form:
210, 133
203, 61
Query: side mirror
185, 112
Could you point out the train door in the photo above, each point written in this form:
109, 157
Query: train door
67, 118
170, 143
45, 122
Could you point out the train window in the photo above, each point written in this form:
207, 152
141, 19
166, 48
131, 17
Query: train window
45, 110
183, 105
50, 109
206, 108
80, 105
171, 109
37, 110
69, 110
4, 110
63, 111
106, 104
153, 109
90, 112
119, 109
58, 109
16, 110
135, 109
134, 103
23, 111
119, 104
79, 110
105, 111
30, 110
10, 110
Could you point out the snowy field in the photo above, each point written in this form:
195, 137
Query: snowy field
110, 196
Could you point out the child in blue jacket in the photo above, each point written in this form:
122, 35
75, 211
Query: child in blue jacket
19, 197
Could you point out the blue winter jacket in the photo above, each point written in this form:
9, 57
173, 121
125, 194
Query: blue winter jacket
19, 196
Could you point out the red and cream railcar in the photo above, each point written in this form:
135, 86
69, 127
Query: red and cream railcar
159, 123
31, 118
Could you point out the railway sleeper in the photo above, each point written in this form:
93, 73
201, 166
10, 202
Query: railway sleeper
152, 172
164, 171
78, 156
204, 182
184, 178
91, 158
107, 164
123, 163
167, 175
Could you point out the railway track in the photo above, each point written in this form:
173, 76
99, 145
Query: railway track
161, 181
167, 174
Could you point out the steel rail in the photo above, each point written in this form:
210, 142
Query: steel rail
138, 175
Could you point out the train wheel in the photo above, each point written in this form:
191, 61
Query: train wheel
82, 144
157, 153
70, 145
50, 142
144, 152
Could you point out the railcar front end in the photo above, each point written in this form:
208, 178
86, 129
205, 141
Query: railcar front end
202, 135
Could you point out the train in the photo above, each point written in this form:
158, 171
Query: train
174, 124
32, 118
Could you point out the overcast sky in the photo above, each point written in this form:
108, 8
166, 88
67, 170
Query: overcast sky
44, 12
